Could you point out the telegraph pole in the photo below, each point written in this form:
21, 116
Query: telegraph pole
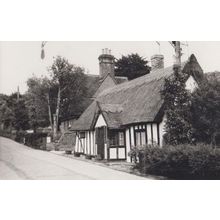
178, 52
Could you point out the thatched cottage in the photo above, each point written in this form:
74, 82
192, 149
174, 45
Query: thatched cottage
128, 114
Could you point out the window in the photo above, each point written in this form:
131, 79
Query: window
116, 138
140, 136
82, 134
121, 139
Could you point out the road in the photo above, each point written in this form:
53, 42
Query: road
20, 162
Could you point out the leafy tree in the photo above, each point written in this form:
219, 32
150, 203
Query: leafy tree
14, 112
38, 103
206, 112
68, 87
177, 105
6, 113
21, 119
131, 66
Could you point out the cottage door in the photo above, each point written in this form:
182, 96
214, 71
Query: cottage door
100, 140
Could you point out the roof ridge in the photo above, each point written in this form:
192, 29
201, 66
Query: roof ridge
153, 75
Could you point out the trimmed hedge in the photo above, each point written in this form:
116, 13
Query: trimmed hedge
36, 140
7, 134
179, 162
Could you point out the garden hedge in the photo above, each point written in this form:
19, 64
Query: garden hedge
179, 162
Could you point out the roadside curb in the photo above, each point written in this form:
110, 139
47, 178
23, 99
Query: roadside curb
106, 165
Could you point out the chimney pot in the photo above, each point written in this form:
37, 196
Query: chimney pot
106, 63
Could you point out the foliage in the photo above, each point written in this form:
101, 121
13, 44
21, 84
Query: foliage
131, 66
21, 119
177, 104
60, 94
206, 112
69, 86
19, 136
36, 140
6, 113
7, 134
77, 154
13, 113
37, 101
180, 162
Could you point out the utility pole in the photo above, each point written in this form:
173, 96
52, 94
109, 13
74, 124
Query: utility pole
178, 52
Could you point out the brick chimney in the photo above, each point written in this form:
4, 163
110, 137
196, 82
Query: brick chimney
157, 62
106, 63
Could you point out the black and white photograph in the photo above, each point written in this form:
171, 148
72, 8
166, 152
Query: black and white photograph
130, 110
109, 110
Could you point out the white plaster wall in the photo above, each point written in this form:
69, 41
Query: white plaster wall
155, 134
191, 84
128, 147
112, 153
149, 136
121, 153
88, 144
83, 145
76, 145
132, 135
162, 129
100, 122
92, 142
79, 144
105, 152
95, 145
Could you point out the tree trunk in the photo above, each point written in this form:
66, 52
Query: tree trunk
57, 112
49, 111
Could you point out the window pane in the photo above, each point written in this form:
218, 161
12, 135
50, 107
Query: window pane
121, 139
113, 138
143, 137
138, 138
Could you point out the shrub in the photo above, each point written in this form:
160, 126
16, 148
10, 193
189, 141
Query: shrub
206, 112
89, 157
177, 104
7, 134
77, 154
180, 162
36, 140
20, 135
68, 152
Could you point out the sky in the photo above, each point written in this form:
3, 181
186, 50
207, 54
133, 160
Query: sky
19, 60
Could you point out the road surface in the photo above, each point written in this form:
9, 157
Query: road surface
20, 162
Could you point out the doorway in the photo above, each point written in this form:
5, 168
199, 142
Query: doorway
100, 141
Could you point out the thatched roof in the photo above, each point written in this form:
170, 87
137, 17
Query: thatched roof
111, 114
94, 85
135, 101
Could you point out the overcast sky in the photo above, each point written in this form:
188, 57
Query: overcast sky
19, 60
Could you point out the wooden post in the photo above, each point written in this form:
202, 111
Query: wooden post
55, 126
178, 54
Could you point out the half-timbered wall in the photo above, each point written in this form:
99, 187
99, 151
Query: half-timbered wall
141, 134
86, 144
